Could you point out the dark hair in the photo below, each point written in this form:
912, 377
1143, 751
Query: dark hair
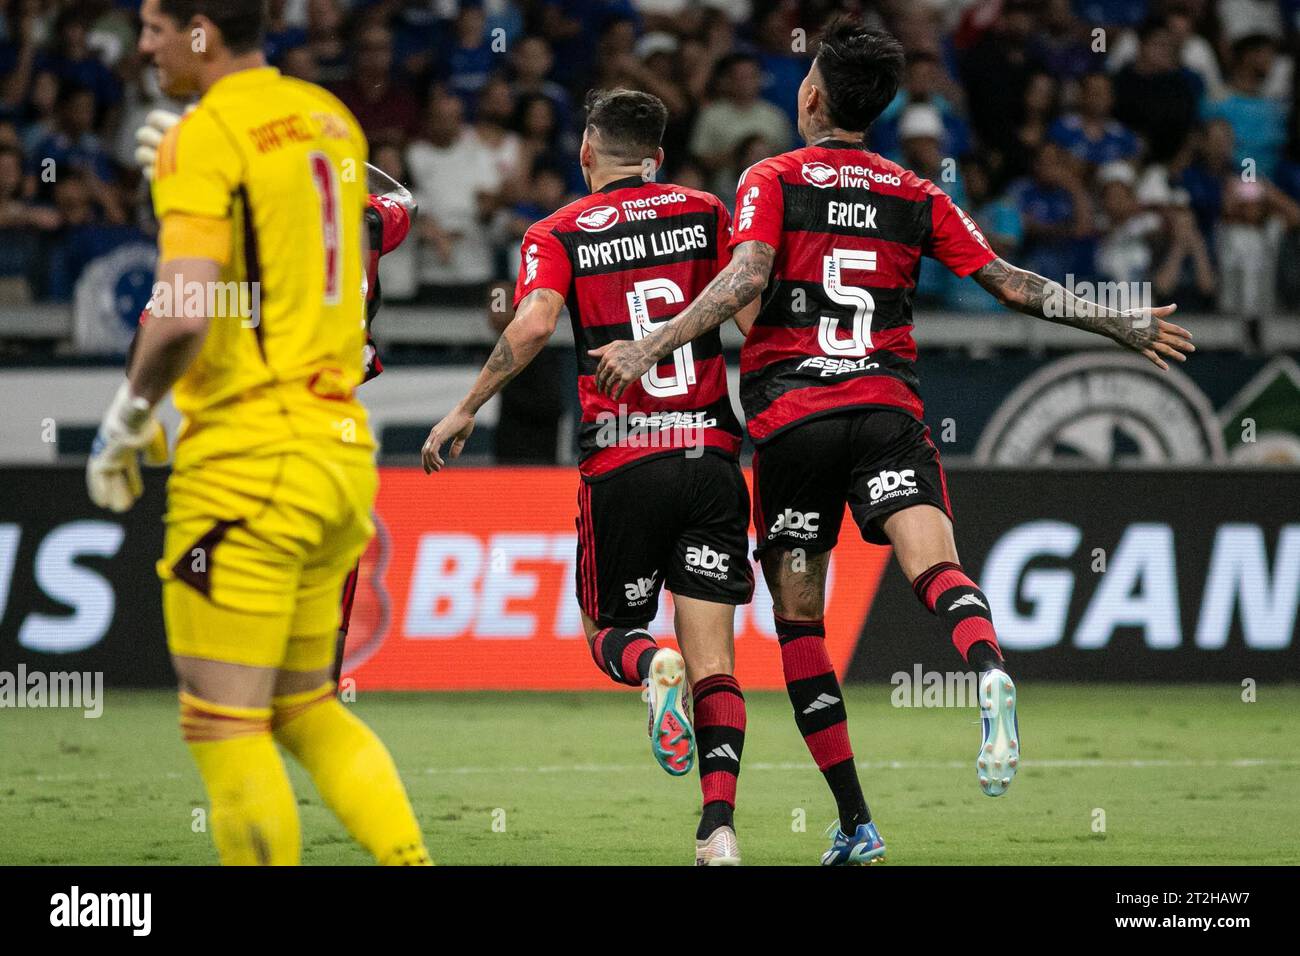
733, 60
525, 102
630, 123
1248, 44
242, 22
546, 166
862, 69
726, 64
1150, 27
70, 91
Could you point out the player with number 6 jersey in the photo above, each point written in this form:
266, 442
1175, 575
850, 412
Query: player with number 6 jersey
661, 500
831, 237
625, 258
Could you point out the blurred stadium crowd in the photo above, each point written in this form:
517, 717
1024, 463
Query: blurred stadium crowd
1121, 140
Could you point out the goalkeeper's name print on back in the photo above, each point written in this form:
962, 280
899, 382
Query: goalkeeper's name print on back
626, 259
283, 162
835, 329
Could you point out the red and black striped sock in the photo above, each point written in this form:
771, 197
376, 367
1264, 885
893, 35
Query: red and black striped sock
720, 741
623, 654
819, 713
957, 601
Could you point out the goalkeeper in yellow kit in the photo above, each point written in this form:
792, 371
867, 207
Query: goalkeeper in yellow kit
257, 327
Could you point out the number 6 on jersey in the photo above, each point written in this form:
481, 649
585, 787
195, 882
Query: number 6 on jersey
638, 306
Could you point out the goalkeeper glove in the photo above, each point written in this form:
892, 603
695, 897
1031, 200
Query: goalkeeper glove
128, 432
150, 136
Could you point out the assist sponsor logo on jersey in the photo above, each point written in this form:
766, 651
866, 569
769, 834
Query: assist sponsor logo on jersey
825, 366
821, 175
598, 219
659, 421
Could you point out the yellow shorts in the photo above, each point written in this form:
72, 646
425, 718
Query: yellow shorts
257, 550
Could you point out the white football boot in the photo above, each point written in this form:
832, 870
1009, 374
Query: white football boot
720, 849
999, 755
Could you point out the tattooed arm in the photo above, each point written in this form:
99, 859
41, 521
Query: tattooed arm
1142, 330
525, 336
732, 289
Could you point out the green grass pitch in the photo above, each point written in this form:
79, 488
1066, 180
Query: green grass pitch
1183, 775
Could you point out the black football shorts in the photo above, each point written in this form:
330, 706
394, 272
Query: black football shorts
877, 461
670, 520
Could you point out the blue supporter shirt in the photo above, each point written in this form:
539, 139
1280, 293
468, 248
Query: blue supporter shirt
782, 74
1115, 143
467, 70
85, 153
1049, 206
1259, 124
89, 73
1129, 13
884, 131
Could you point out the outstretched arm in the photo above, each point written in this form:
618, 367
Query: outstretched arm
1141, 330
736, 286
525, 336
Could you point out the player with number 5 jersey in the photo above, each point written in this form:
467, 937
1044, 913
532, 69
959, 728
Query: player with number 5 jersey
661, 500
835, 331
830, 239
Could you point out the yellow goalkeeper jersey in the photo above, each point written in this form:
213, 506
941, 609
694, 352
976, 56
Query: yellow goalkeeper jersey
284, 162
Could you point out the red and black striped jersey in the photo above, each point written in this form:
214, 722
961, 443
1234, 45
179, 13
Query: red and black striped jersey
627, 259
835, 329
388, 224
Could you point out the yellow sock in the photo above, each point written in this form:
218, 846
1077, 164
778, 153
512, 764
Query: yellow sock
254, 819
354, 773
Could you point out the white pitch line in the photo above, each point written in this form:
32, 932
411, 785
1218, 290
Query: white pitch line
1082, 764
1078, 764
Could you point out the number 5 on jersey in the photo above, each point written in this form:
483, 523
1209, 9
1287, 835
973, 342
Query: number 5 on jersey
858, 344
